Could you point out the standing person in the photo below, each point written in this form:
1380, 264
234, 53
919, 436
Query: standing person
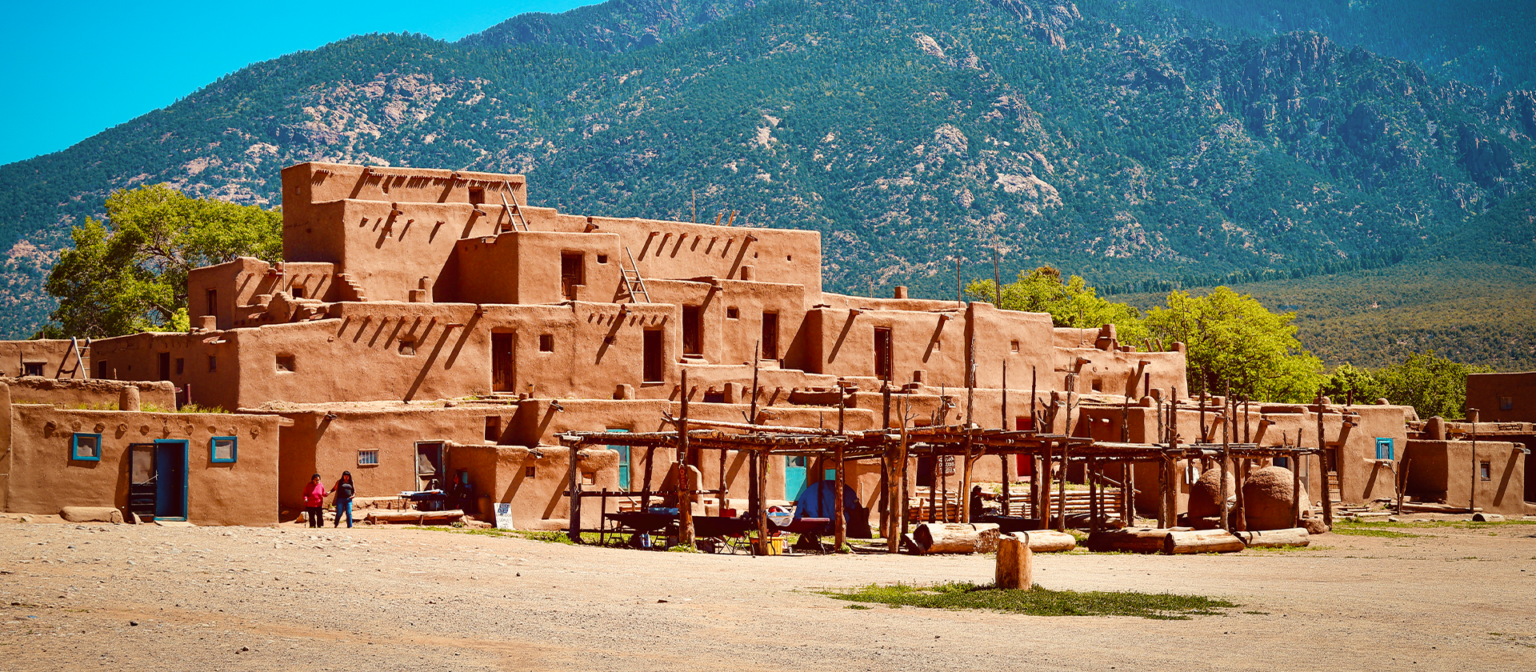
344, 491
314, 499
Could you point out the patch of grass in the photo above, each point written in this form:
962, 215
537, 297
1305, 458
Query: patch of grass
1369, 530
856, 606
1037, 602
1256, 613
1432, 524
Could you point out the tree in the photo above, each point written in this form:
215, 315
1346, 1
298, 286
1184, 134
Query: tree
1071, 303
129, 273
1431, 384
1233, 342
1348, 382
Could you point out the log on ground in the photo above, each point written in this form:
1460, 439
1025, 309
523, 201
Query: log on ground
955, 537
1049, 541
1295, 536
415, 517
1201, 541
1015, 567
1130, 540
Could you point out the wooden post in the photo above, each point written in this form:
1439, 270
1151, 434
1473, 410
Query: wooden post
573, 491
1226, 457
1034, 458
1093, 495
1295, 460
645, 495
1474, 416
1170, 493
684, 493
839, 516
759, 464
1322, 447
970, 416
1006, 457
904, 503
1014, 563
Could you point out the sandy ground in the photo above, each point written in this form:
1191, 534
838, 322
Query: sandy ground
78, 597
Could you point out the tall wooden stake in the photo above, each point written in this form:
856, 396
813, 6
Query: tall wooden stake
1322, 447
684, 493
1226, 456
1007, 458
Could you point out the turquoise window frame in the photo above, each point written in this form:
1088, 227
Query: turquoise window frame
624, 464
1390, 452
234, 450
74, 448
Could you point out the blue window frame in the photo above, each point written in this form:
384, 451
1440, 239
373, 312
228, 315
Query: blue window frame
224, 449
1384, 449
85, 447
1283, 462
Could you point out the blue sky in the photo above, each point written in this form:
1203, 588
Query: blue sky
71, 70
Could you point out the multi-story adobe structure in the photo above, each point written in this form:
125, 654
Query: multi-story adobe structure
431, 324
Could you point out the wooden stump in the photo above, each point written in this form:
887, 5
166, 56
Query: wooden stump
955, 537
1014, 563
1296, 536
1201, 541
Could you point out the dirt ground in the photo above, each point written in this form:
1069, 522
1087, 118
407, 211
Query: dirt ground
78, 597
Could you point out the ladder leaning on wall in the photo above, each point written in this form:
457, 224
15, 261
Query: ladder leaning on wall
74, 349
513, 210
632, 280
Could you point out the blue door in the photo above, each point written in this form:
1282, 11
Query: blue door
794, 476
623, 461
171, 479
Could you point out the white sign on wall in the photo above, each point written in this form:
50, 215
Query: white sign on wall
504, 516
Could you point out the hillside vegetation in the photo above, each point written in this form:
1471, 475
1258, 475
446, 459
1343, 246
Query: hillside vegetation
1122, 140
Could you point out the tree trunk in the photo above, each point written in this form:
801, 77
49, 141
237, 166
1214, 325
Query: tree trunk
1131, 540
1296, 536
1049, 541
1201, 541
1014, 563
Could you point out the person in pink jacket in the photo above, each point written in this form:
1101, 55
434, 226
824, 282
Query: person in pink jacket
314, 501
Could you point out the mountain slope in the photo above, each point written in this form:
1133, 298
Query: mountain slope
1117, 139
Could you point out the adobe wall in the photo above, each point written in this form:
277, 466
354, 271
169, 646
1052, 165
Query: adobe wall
1446, 471
237, 285
665, 249
44, 479
1489, 392
50, 354
94, 393
205, 365
525, 267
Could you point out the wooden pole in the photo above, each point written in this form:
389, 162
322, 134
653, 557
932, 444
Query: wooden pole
970, 411
645, 494
1296, 462
573, 492
904, 503
839, 516
1474, 416
684, 493
759, 464
1006, 458
1322, 447
1226, 456
1034, 458
1170, 493
886, 518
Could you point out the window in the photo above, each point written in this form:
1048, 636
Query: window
546, 343
770, 335
87, 447
1014, 346
1283, 462
407, 348
476, 196
285, 363
732, 313
32, 369
1506, 403
492, 428
1384, 449
713, 397
212, 297
529, 472
224, 449
213, 363
367, 458
1486, 469
654, 370
1191, 471
298, 292
181, 366
1098, 385
602, 258
883, 353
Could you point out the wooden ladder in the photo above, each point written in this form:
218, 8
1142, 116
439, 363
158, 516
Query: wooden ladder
632, 279
74, 349
513, 210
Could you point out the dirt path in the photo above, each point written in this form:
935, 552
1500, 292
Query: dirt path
395, 599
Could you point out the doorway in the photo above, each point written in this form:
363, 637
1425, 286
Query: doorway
794, 476
883, 353
655, 368
770, 336
623, 452
572, 274
158, 479
503, 362
693, 341
429, 465
165, 366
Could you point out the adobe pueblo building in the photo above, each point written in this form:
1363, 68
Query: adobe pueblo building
430, 327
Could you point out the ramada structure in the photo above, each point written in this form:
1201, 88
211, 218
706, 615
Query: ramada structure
430, 327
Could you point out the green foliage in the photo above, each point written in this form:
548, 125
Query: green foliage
1039, 601
1347, 382
1070, 302
1431, 384
1234, 343
129, 274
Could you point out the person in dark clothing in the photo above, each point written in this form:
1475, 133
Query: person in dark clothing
314, 501
976, 512
344, 491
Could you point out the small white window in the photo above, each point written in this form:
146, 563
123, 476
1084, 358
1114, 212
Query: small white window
367, 458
